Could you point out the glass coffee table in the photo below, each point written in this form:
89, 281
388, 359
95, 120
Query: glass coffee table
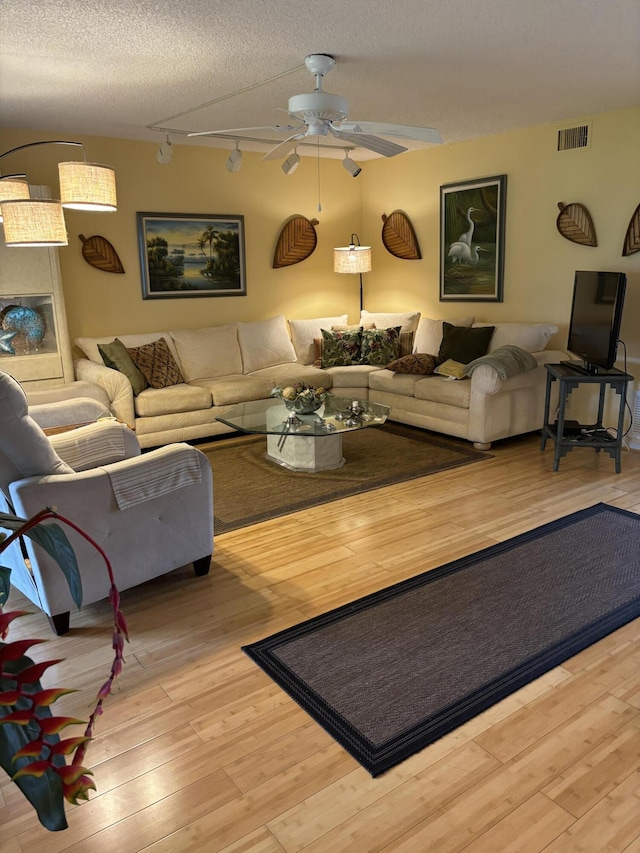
305, 442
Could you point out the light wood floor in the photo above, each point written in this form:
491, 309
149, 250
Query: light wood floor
199, 750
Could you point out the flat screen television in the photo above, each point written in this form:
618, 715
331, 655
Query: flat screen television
596, 316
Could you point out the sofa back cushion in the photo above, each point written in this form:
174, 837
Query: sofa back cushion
209, 352
428, 336
408, 320
265, 343
532, 337
304, 332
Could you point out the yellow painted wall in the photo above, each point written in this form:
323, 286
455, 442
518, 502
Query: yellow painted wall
539, 263
100, 303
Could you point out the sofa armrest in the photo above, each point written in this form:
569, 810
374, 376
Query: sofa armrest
116, 385
486, 380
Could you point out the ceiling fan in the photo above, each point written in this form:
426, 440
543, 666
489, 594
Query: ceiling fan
319, 113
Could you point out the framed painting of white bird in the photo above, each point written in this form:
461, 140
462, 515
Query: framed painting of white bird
472, 216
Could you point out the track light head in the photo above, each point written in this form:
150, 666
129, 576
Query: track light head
351, 167
291, 163
234, 160
165, 153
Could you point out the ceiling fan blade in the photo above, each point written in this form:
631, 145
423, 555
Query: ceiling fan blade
284, 147
373, 143
406, 131
278, 128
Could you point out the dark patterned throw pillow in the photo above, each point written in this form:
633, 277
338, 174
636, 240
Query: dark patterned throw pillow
418, 362
157, 364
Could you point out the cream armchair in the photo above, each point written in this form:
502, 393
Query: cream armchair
150, 513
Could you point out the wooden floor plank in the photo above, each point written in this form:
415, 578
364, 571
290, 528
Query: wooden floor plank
199, 751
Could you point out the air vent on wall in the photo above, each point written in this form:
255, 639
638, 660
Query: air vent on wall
570, 138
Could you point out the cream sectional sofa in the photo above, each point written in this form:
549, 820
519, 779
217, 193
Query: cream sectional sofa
238, 362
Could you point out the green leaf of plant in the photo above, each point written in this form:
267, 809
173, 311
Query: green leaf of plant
54, 540
45, 794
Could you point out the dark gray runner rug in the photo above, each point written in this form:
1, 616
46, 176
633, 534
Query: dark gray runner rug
392, 672
248, 488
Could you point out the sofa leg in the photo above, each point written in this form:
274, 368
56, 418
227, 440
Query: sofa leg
481, 445
201, 566
60, 623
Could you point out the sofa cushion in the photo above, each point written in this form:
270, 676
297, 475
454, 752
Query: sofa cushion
341, 348
419, 363
208, 352
289, 374
229, 390
354, 376
428, 337
264, 343
168, 401
394, 383
438, 389
380, 346
116, 356
156, 363
408, 320
532, 337
303, 333
463, 344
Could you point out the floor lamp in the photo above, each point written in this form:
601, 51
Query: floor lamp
353, 258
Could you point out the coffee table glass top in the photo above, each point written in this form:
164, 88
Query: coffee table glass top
336, 415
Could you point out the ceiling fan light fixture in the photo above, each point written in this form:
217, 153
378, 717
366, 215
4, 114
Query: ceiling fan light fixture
291, 163
351, 166
234, 160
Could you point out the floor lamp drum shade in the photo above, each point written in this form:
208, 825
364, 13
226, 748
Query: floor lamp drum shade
87, 186
13, 188
353, 259
34, 222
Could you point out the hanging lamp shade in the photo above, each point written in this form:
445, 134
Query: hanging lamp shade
352, 259
34, 222
87, 186
12, 188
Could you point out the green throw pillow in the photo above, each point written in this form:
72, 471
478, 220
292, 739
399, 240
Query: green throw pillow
463, 344
116, 356
342, 348
380, 346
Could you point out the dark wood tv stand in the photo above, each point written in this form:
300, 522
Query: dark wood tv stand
581, 435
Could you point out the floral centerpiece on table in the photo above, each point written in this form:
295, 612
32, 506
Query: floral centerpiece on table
301, 398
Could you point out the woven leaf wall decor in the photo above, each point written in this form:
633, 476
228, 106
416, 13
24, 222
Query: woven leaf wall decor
575, 224
296, 241
399, 238
99, 253
632, 237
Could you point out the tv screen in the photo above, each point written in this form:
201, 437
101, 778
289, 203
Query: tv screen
596, 316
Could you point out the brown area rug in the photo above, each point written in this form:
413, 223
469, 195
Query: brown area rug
248, 488
392, 672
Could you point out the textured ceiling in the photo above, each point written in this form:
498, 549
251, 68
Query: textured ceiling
120, 67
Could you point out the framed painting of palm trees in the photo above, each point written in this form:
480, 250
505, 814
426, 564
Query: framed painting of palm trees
185, 255
472, 217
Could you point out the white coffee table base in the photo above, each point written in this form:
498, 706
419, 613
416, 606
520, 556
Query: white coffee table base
305, 452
